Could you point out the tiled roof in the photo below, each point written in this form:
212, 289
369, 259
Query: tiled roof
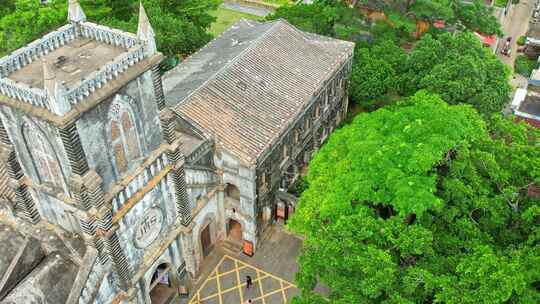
246, 86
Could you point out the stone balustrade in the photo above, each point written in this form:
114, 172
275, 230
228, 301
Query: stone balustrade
54, 40
149, 172
36, 49
108, 35
22, 92
202, 149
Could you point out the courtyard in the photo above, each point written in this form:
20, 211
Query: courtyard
272, 270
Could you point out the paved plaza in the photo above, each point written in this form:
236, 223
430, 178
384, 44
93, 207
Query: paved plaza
272, 269
227, 284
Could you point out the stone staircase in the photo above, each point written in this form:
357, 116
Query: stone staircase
232, 246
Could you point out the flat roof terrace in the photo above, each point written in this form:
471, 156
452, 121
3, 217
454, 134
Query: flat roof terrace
70, 63
531, 104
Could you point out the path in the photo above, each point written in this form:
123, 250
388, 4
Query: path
516, 26
257, 11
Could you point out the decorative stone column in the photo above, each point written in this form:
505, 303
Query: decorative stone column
177, 159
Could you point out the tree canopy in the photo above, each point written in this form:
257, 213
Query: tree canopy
455, 66
474, 15
422, 202
180, 29
459, 69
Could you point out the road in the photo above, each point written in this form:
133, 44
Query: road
243, 8
515, 26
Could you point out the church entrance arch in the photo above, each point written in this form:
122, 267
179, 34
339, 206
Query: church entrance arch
163, 285
234, 230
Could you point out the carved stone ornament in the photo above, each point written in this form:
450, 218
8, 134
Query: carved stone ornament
148, 228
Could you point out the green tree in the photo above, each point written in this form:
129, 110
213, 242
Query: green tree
375, 73
28, 21
316, 18
460, 70
422, 202
6, 7
477, 17
180, 29
474, 15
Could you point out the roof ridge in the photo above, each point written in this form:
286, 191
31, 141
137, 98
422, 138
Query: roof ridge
232, 61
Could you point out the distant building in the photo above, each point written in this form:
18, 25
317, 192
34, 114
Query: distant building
526, 103
116, 182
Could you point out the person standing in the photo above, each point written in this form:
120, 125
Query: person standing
249, 282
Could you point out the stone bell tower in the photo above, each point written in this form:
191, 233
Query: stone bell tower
86, 140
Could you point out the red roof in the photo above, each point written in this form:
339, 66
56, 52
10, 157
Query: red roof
438, 23
533, 191
487, 40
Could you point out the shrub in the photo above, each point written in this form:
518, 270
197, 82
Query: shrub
524, 66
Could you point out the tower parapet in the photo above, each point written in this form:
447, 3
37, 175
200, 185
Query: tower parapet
84, 55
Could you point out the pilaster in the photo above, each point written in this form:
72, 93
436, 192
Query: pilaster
73, 147
25, 206
188, 253
175, 157
158, 87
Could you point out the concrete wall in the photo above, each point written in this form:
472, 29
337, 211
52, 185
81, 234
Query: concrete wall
94, 127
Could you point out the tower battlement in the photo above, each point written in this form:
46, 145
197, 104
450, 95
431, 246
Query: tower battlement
75, 60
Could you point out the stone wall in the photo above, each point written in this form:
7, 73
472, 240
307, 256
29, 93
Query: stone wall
94, 128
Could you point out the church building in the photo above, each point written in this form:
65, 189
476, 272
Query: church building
117, 181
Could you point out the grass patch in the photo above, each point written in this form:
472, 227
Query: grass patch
524, 65
226, 18
501, 3
278, 2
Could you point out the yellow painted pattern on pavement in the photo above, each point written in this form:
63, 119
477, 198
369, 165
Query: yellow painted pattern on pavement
238, 265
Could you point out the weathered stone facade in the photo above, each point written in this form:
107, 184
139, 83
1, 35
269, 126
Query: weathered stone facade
123, 161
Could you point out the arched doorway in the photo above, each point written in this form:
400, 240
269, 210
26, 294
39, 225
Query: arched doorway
232, 192
206, 240
163, 285
234, 230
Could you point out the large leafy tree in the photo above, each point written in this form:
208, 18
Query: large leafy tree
6, 7
180, 28
28, 21
315, 18
460, 70
474, 15
375, 72
421, 202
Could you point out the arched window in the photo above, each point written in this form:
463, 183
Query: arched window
123, 136
43, 156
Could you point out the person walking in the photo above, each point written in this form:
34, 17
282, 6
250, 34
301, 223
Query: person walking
249, 282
